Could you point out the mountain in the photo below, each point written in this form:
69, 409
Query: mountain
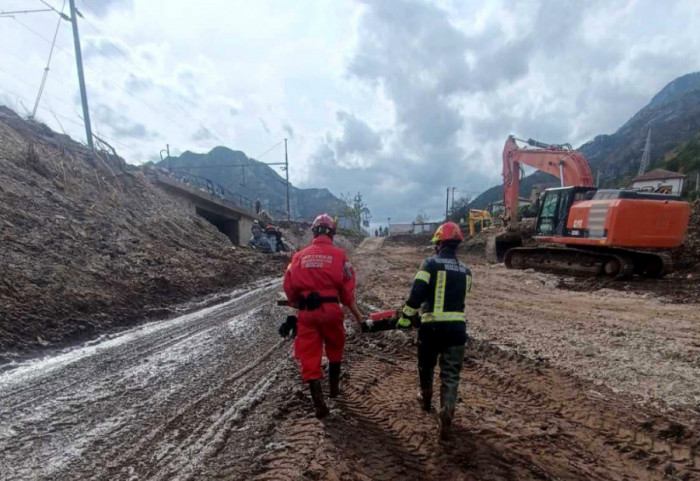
240, 175
673, 115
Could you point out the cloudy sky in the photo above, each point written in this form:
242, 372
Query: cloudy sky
398, 99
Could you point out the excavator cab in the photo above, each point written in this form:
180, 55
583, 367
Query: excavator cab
554, 209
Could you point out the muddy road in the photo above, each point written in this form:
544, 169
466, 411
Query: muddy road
151, 402
216, 394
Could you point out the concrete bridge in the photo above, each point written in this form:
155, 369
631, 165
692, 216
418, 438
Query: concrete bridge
235, 221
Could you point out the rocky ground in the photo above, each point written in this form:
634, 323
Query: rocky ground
88, 244
559, 385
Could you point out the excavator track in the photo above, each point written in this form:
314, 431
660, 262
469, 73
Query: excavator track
616, 264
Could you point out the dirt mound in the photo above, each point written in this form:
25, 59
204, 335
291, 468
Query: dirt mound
414, 240
88, 243
688, 256
298, 234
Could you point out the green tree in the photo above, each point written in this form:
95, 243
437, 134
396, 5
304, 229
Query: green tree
460, 209
356, 211
421, 217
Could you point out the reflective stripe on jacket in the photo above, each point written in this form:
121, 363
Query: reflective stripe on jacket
440, 286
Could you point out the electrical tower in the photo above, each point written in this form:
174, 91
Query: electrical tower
644, 165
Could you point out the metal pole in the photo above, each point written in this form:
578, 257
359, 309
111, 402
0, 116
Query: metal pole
286, 169
561, 172
81, 76
447, 204
453, 200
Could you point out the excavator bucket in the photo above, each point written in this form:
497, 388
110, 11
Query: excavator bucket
502, 243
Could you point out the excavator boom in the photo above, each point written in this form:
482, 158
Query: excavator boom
561, 161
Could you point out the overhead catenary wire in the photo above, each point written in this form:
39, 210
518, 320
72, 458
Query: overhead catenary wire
55, 45
105, 77
48, 62
13, 12
60, 14
73, 120
217, 135
259, 156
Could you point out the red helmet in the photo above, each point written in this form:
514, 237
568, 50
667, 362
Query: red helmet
449, 231
323, 224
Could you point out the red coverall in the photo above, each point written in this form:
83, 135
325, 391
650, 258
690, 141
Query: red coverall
325, 269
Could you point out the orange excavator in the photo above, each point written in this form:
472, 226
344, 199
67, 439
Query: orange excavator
584, 230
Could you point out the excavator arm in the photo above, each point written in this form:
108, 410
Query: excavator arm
561, 161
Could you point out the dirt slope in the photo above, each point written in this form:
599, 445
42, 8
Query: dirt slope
88, 243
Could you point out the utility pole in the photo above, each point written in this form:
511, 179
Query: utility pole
453, 200
646, 155
81, 76
447, 205
286, 170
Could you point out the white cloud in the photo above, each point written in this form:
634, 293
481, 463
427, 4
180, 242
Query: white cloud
397, 99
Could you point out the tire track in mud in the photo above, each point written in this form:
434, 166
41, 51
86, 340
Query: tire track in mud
159, 340
633, 441
119, 409
516, 419
205, 437
180, 440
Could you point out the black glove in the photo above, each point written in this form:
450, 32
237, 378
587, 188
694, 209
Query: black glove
289, 327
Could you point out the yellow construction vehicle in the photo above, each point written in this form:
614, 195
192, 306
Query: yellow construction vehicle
479, 220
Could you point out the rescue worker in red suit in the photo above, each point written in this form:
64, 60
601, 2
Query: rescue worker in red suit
318, 280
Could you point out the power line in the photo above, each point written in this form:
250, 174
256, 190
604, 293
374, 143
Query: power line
60, 14
104, 77
24, 83
74, 121
268, 150
66, 118
9, 14
129, 59
48, 62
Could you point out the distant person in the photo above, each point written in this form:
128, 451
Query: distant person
376, 233
381, 231
256, 230
257, 206
271, 232
318, 280
279, 242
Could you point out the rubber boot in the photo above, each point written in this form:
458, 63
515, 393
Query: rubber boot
448, 401
445, 422
425, 397
425, 393
317, 397
451, 360
334, 378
